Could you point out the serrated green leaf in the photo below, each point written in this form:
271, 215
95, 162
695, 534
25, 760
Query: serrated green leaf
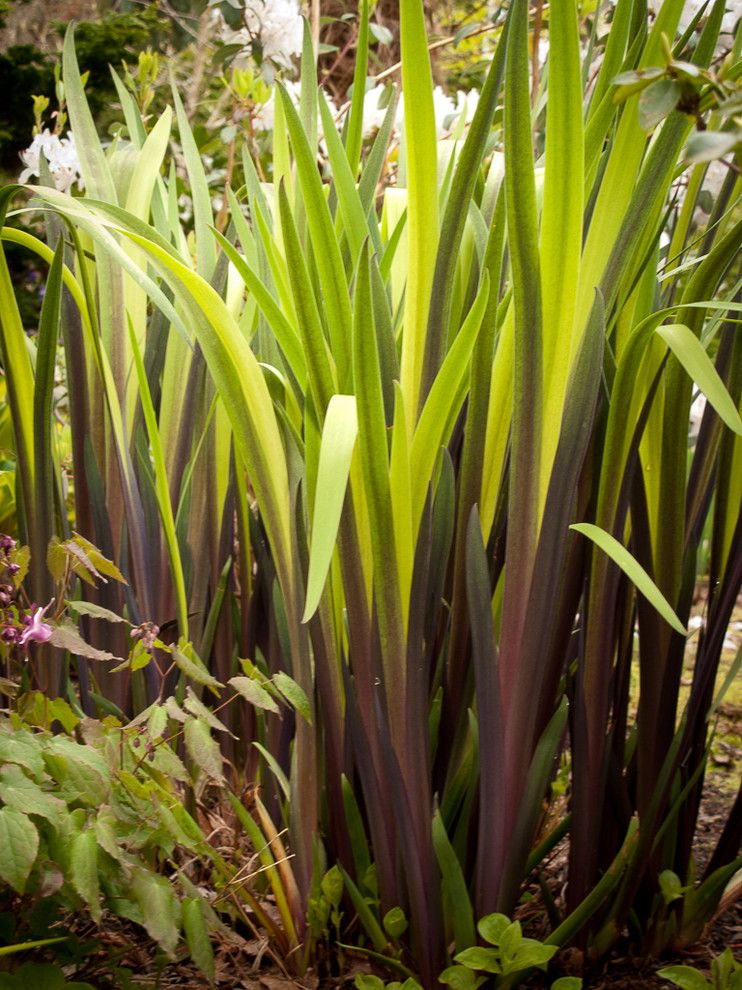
95, 611
56, 559
633, 570
105, 835
66, 636
194, 670
197, 937
171, 825
203, 749
23, 749
294, 694
19, 792
139, 658
19, 844
84, 870
251, 691
167, 762
102, 564
156, 720
196, 707
80, 771
160, 908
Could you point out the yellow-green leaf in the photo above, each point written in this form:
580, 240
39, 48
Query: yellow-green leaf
633, 570
338, 440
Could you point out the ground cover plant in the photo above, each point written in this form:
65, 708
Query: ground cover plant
369, 490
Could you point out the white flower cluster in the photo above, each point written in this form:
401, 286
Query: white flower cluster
264, 117
60, 153
729, 21
276, 24
447, 113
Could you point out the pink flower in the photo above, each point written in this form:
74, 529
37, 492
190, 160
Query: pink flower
35, 629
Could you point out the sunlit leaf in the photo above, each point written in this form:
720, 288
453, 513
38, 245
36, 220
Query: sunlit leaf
633, 570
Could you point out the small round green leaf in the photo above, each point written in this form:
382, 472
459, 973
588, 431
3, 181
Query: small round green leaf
395, 922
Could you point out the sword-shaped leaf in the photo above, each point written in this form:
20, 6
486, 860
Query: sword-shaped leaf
338, 440
633, 570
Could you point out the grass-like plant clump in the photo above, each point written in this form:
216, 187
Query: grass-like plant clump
356, 495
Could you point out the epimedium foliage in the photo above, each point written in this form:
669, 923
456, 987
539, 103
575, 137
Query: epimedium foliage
408, 469
91, 824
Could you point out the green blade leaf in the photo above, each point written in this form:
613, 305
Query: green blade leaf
633, 570
562, 218
422, 182
374, 456
454, 884
203, 218
443, 403
691, 353
41, 522
93, 162
336, 300
351, 208
338, 441
354, 136
162, 487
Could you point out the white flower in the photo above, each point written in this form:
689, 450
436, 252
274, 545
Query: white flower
467, 103
692, 7
264, 117
60, 153
444, 109
277, 24
697, 410
373, 114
